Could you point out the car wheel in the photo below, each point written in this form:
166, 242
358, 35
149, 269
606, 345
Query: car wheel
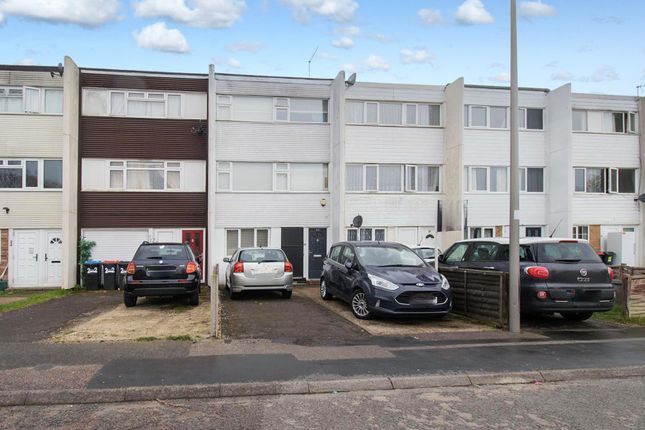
576, 316
129, 301
359, 305
323, 290
286, 294
194, 299
232, 295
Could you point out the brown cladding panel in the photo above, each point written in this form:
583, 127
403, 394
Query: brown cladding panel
108, 209
105, 137
159, 83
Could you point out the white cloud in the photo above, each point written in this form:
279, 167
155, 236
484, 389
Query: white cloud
203, 13
562, 75
349, 68
350, 30
343, 42
473, 12
604, 73
379, 37
160, 38
335, 10
27, 62
552, 63
430, 16
535, 9
87, 13
502, 78
232, 62
374, 62
326, 56
415, 56
246, 47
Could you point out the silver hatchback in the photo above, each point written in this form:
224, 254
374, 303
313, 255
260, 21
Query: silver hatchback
255, 269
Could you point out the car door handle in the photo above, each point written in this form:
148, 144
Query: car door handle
317, 255
489, 267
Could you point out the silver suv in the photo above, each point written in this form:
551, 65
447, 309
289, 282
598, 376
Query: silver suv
255, 269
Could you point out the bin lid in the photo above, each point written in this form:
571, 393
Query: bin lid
110, 261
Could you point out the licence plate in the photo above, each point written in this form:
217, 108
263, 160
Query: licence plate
265, 269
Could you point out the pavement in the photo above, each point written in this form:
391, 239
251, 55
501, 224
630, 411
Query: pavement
308, 352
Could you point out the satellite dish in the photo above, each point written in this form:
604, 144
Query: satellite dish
641, 198
357, 221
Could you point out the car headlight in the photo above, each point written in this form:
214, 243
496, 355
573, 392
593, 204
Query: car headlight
444, 283
382, 283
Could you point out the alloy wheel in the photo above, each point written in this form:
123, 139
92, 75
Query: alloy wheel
359, 304
323, 289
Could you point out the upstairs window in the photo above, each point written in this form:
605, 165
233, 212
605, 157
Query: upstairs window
492, 179
604, 180
497, 117
390, 178
31, 174
31, 100
145, 175
271, 177
604, 121
532, 179
391, 113
145, 104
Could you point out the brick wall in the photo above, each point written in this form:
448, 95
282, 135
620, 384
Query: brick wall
4, 250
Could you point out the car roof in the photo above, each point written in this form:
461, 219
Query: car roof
162, 243
374, 243
423, 247
258, 248
524, 240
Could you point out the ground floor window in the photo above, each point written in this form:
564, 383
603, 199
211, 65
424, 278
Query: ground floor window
533, 231
246, 238
478, 232
366, 233
580, 232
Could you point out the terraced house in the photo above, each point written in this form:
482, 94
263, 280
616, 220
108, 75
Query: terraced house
226, 161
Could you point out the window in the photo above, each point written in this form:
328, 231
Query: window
604, 121
389, 178
579, 120
532, 179
534, 119
498, 117
483, 252
371, 178
478, 116
224, 107
354, 177
246, 238
223, 176
604, 180
422, 178
488, 179
145, 175
334, 254
53, 102
626, 181
281, 177
347, 255
308, 110
10, 99
31, 174
366, 234
456, 253
479, 232
145, 104
266, 177
31, 100
580, 232
252, 177
387, 113
533, 232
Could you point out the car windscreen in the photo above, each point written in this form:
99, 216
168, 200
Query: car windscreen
383, 256
262, 256
160, 252
564, 252
425, 252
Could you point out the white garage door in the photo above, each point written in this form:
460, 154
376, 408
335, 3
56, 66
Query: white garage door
115, 244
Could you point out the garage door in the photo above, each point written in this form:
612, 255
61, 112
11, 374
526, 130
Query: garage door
115, 244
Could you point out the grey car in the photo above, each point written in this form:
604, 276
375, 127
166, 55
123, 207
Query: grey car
427, 253
258, 269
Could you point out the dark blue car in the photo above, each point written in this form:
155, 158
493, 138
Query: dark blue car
384, 278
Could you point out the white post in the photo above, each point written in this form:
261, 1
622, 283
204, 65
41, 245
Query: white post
214, 290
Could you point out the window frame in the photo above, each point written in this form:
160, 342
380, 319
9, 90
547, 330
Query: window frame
579, 231
629, 121
488, 180
124, 169
23, 99
371, 229
226, 168
608, 180
40, 187
524, 176
239, 237
127, 98
404, 111
404, 186
483, 230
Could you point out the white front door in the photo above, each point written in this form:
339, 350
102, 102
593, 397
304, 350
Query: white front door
628, 253
54, 257
37, 258
27, 244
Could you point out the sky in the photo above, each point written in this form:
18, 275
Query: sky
596, 45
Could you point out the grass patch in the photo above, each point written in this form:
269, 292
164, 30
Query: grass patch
181, 337
615, 315
145, 339
30, 298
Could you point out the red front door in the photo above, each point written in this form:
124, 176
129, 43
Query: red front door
195, 239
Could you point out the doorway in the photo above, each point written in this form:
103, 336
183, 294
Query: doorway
293, 246
37, 258
317, 250
195, 240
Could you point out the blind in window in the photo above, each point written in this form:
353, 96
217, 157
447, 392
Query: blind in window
354, 177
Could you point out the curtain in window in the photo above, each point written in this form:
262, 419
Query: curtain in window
478, 180
116, 179
54, 101
307, 177
32, 100
145, 179
231, 241
137, 108
478, 116
371, 113
371, 178
252, 176
498, 179
579, 120
595, 180
354, 112
173, 180
535, 179
389, 177
247, 239
262, 237
251, 108
354, 177
428, 178
391, 113
117, 103
497, 117
366, 234
411, 178
308, 110
411, 114
10, 99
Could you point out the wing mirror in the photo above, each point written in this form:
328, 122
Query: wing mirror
441, 258
226, 260
349, 265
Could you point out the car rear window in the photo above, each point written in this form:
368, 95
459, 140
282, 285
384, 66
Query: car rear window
159, 252
262, 255
525, 253
566, 252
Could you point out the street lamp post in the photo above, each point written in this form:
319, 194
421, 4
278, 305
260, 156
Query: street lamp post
514, 222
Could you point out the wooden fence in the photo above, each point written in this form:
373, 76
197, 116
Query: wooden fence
479, 294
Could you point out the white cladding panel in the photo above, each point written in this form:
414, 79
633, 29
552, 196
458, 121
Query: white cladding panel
491, 209
490, 148
32, 209
605, 150
378, 144
276, 87
115, 244
27, 135
34, 79
96, 103
271, 210
257, 141
605, 209
95, 175
395, 92
502, 97
604, 102
383, 210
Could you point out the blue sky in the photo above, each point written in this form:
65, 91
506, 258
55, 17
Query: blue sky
596, 45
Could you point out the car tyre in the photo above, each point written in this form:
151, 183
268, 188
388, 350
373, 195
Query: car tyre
232, 295
194, 299
129, 300
576, 316
324, 294
286, 294
359, 305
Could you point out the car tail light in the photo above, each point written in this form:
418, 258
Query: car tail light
288, 267
542, 295
611, 273
569, 241
537, 272
131, 268
191, 267
238, 267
